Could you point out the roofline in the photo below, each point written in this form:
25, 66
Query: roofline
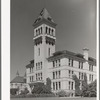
44, 21
52, 58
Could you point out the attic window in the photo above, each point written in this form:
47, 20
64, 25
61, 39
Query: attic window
49, 19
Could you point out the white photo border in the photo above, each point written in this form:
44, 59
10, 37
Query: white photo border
5, 49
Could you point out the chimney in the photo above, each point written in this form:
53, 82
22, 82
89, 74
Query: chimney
85, 53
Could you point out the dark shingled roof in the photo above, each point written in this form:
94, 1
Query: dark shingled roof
71, 55
31, 64
18, 79
44, 15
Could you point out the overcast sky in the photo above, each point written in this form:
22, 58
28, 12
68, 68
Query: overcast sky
75, 29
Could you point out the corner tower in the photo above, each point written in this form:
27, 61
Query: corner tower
44, 43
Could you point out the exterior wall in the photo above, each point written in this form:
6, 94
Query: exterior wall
21, 86
43, 52
64, 76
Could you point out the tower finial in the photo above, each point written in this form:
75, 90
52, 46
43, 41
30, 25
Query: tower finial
17, 74
44, 3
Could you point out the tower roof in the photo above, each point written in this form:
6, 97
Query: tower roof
44, 15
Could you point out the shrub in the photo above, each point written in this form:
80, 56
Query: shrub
42, 89
13, 91
61, 93
24, 92
77, 84
48, 83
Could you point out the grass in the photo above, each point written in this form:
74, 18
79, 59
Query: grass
55, 98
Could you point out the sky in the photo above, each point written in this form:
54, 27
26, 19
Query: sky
76, 28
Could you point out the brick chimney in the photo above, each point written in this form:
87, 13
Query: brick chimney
85, 53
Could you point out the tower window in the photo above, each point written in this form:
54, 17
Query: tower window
46, 29
49, 30
41, 30
49, 52
39, 51
52, 31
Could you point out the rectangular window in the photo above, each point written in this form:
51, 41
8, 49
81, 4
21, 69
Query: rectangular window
53, 86
56, 86
82, 65
41, 65
82, 76
79, 65
69, 62
59, 85
49, 52
69, 73
56, 63
36, 77
72, 63
56, 74
53, 64
30, 70
79, 75
30, 78
90, 77
53, 75
72, 86
38, 51
41, 76
59, 62
59, 74
69, 85
90, 67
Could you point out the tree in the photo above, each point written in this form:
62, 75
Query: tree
77, 84
48, 83
85, 86
92, 89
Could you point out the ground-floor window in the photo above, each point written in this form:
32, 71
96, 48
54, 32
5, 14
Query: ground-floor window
56, 85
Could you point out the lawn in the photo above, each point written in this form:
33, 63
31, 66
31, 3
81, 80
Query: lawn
54, 98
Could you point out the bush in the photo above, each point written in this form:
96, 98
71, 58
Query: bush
24, 92
41, 89
48, 83
13, 91
77, 84
62, 94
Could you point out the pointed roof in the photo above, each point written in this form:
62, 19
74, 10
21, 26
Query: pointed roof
18, 79
44, 15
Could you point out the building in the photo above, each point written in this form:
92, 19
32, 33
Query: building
19, 82
58, 66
